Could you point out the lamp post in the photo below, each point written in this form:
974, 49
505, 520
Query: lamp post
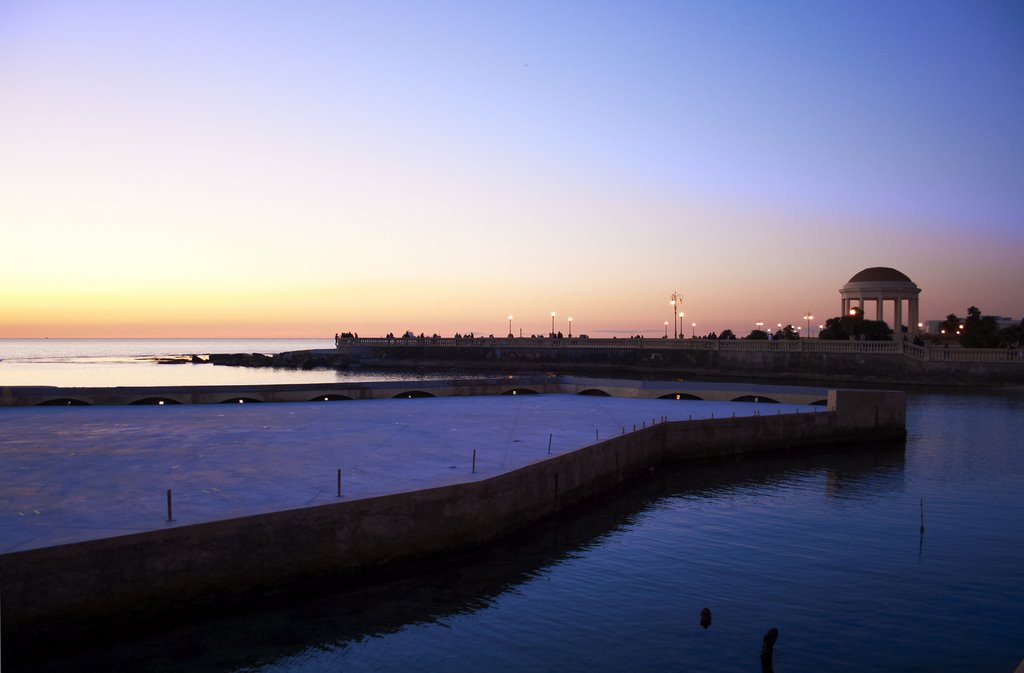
693, 330
681, 314
760, 325
666, 328
510, 335
570, 327
675, 298
808, 317
552, 324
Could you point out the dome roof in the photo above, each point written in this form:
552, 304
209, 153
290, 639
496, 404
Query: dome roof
880, 274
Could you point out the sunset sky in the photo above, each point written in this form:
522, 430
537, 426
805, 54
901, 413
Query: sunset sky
261, 169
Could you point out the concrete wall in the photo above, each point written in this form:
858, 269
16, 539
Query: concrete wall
778, 365
304, 392
63, 589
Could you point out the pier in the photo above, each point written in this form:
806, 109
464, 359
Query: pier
257, 505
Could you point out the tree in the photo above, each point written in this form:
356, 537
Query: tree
979, 331
854, 326
834, 330
950, 326
1012, 336
727, 334
788, 332
757, 334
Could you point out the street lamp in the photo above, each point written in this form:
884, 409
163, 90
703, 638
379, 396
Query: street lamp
693, 330
681, 314
674, 298
666, 328
510, 326
759, 325
552, 324
570, 327
808, 317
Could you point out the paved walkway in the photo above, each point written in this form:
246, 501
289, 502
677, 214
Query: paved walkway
69, 474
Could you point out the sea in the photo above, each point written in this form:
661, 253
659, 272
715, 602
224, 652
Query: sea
891, 557
155, 362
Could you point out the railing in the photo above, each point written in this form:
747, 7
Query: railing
923, 353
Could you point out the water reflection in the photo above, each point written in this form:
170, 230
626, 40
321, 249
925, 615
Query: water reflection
335, 615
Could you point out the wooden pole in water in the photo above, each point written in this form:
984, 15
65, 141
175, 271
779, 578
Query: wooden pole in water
339, 482
474, 461
922, 515
169, 517
549, 444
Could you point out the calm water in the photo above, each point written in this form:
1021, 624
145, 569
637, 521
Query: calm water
828, 549
135, 362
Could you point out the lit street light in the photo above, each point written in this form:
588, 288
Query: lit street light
510, 326
693, 330
681, 314
570, 327
552, 324
676, 297
808, 317
666, 328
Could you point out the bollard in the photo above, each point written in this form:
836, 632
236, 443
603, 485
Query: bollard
169, 516
339, 482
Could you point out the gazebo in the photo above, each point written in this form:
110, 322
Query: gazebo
881, 284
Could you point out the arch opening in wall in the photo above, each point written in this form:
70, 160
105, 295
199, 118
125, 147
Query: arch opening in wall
409, 394
64, 402
756, 398
680, 396
159, 401
520, 391
819, 403
241, 400
595, 392
331, 397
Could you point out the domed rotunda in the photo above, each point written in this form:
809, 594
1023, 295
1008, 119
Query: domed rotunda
881, 284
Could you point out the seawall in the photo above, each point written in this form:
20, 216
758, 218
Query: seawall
831, 362
65, 589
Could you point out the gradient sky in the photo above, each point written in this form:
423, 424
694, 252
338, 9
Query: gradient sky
258, 169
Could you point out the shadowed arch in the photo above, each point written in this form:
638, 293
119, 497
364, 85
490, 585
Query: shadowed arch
596, 392
413, 393
520, 391
333, 397
680, 396
156, 400
756, 398
65, 402
240, 400
819, 403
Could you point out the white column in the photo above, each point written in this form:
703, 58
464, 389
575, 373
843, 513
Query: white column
898, 319
880, 308
912, 307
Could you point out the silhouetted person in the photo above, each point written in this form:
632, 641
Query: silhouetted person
768, 650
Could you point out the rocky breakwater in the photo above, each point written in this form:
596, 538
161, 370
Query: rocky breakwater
326, 359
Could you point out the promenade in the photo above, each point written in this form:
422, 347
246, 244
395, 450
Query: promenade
71, 474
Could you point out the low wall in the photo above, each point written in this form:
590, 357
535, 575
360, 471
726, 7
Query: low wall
70, 588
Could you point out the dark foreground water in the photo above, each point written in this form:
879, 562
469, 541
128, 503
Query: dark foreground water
828, 549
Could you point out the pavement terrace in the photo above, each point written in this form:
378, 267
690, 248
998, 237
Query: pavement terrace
70, 474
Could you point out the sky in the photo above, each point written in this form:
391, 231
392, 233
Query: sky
296, 169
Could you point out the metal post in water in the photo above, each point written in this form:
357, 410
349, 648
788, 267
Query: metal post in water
169, 512
339, 482
549, 443
474, 461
